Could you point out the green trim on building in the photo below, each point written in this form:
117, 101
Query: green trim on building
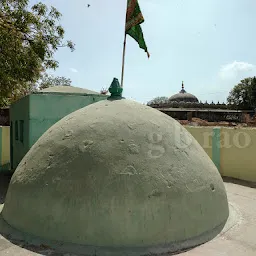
216, 147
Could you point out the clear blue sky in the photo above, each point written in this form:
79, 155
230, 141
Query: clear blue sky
210, 44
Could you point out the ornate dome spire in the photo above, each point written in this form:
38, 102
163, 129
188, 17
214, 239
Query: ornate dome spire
183, 96
182, 88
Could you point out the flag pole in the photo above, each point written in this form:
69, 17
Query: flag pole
123, 61
124, 48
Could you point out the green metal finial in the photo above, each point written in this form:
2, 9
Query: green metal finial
115, 89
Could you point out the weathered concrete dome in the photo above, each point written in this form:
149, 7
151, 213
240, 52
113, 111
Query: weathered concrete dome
67, 90
118, 176
183, 96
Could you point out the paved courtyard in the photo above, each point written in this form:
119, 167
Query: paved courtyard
238, 238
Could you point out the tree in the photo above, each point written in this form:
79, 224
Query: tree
49, 80
45, 81
243, 95
17, 93
29, 37
158, 100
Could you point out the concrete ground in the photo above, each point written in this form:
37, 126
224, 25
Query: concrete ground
238, 238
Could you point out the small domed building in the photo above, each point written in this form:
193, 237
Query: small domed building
35, 113
183, 96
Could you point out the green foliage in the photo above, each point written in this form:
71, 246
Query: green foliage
158, 100
17, 93
29, 37
49, 80
45, 81
243, 95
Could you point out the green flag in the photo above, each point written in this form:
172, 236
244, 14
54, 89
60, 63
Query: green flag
134, 18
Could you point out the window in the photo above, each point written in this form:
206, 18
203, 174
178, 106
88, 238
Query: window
11, 130
16, 130
21, 131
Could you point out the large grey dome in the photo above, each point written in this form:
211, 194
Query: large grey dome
118, 176
183, 96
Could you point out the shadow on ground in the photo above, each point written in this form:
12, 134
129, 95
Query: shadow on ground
240, 182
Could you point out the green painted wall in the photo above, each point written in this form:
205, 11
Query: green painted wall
47, 109
216, 147
19, 111
40, 112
